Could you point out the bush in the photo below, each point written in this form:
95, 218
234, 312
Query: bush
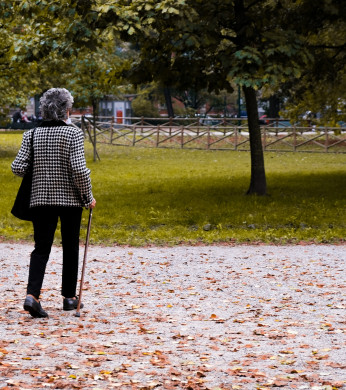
142, 106
4, 122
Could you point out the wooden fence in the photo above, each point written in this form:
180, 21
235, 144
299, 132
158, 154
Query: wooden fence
211, 134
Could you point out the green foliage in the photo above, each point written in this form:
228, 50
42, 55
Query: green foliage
209, 44
194, 100
189, 44
166, 196
322, 87
15, 83
48, 44
143, 106
321, 84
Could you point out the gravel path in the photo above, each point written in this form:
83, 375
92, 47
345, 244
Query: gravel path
217, 317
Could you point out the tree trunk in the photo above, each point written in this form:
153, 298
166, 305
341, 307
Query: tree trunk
168, 98
258, 183
274, 107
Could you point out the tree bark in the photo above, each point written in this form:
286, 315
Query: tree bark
274, 107
258, 184
168, 98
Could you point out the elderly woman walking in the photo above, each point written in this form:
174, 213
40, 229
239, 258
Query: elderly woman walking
61, 187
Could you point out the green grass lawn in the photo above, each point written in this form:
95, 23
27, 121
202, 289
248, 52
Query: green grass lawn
170, 196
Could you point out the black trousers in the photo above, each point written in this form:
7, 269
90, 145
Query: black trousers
45, 221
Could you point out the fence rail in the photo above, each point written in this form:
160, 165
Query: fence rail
211, 134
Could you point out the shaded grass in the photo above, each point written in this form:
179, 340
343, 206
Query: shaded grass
164, 196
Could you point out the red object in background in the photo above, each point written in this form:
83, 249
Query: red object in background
119, 116
263, 118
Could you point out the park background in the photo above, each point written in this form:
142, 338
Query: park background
189, 60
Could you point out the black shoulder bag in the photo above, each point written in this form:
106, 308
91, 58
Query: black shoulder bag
21, 208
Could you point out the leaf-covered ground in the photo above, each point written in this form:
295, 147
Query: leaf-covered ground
244, 317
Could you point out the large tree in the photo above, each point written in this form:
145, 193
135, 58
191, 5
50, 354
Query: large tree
191, 43
261, 43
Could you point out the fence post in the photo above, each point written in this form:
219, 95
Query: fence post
142, 123
112, 129
277, 127
95, 140
264, 129
182, 136
158, 136
83, 127
326, 145
208, 146
294, 138
170, 126
236, 138
134, 136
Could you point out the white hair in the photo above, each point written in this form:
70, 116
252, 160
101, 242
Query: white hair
55, 103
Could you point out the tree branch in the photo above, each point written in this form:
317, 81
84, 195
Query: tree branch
328, 46
255, 2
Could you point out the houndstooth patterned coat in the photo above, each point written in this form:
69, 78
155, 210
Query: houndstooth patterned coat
60, 175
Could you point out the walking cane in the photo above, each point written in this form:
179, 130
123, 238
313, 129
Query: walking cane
84, 263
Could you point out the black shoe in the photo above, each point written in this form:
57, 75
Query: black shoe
71, 303
34, 308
